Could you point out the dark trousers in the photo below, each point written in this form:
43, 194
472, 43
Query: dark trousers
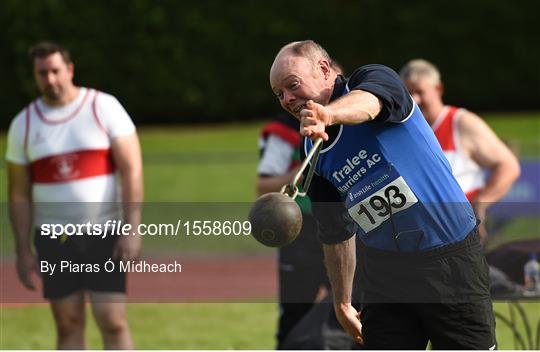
441, 295
402, 326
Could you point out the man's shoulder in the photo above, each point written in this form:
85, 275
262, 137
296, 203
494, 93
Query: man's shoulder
469, 121
472, 130
106, 101
387, 86
104, 96
375, 67
372, 68
373, 73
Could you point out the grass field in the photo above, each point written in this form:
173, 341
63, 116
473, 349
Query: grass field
157, 326
191, 326
212, 164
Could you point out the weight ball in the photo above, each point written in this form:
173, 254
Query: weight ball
275, 219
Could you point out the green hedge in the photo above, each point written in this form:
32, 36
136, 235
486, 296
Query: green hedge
189, 61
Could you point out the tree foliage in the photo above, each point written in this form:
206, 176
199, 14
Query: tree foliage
189, 61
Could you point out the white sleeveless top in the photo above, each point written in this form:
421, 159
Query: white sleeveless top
467, 172
68, 151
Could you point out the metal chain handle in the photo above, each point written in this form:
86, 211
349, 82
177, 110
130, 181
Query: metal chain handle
292, 189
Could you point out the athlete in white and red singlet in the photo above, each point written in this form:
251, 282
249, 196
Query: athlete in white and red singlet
66, 152
470, 176
483, 165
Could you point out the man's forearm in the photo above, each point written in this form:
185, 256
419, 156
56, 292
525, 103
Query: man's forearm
132, 197
354, 108
20, 214
499, 183
20, 205
127, 157
340, 262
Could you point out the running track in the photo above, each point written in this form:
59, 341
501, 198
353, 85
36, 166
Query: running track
203, 279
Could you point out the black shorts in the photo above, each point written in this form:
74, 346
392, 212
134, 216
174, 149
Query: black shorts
455, 273
398, 326
441, 295
84, 257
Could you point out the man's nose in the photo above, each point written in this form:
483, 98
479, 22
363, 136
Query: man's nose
288, 97
50, 77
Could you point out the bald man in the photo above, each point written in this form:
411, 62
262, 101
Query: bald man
382, 178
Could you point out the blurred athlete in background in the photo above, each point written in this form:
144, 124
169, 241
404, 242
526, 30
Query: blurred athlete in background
470, 145
64, 153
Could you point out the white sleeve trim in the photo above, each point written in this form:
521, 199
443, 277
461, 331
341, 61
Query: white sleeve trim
414, 106
276, 158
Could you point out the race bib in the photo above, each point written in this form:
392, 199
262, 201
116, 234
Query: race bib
371, 201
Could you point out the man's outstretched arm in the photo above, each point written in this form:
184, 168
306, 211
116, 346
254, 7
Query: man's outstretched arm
356, 107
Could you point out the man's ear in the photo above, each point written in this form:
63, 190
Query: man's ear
71, 69
440, 89
324, 66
